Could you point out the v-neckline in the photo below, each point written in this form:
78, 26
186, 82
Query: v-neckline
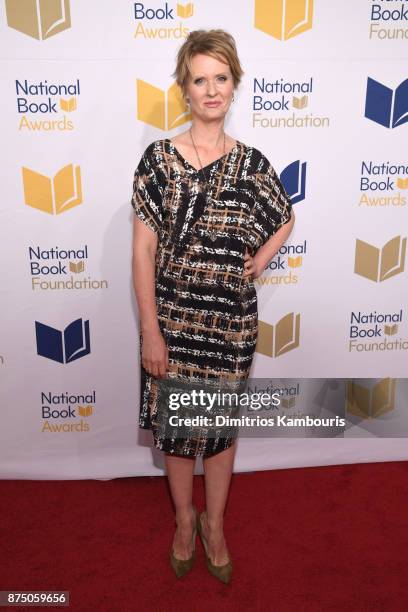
197, 170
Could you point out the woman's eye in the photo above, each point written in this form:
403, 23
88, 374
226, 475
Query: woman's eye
200, 80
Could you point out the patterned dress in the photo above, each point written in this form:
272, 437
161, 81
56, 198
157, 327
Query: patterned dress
207, 311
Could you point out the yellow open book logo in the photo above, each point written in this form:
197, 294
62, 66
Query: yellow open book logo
402, 183
288, 402
275, 340
68, 105
76, 267
283, 19
53, 196
380, 264
370, 403
295, 262
85, 411
38, 18
185, 10
390, 330
300, 102
163, 110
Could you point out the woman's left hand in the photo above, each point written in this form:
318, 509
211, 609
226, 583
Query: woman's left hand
252, 268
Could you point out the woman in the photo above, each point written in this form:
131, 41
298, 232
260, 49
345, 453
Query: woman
210, 214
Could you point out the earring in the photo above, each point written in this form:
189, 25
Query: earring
233, 98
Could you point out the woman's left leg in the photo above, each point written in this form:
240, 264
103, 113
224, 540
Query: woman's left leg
217, 472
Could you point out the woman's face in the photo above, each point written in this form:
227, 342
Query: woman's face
210, 87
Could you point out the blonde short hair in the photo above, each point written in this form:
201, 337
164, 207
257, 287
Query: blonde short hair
216, 43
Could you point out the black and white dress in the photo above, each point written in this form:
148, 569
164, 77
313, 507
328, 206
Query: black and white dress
207, 311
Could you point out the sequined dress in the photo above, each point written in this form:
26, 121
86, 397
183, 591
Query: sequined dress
207, 311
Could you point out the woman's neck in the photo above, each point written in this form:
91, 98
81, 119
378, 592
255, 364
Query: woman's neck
208, 135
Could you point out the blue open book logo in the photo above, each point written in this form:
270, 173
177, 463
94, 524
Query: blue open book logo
293, 179
386, 106
63, 346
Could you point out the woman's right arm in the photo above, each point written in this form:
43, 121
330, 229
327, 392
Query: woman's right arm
154, 349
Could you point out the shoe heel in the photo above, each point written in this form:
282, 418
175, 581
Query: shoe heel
222, 572
182, 566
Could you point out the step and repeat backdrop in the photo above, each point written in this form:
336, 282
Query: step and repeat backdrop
85, 88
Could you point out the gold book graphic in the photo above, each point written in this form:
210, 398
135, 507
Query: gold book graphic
76, 267
390, 330
160, 109
370, 403
402, 183
85, 411
275, 340
300, 102
295, 262
53, 196
185, 10
38, 18
379, 264
283, 19
288, 402
68, 105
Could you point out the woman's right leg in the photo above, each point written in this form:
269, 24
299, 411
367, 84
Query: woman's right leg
180, 472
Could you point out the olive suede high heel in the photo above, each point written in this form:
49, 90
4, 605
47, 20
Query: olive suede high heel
182, 566
222, 572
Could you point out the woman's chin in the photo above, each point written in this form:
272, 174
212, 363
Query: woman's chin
212, 114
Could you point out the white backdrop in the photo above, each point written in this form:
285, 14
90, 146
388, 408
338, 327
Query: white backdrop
91, 55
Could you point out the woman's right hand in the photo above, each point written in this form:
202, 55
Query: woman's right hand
155, 354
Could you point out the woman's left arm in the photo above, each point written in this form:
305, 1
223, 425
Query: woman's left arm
268, 250
272, 220
254, 266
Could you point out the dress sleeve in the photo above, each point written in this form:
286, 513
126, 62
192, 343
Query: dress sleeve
272, 208
147, 200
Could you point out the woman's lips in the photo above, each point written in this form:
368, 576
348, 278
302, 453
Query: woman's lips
212, 104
